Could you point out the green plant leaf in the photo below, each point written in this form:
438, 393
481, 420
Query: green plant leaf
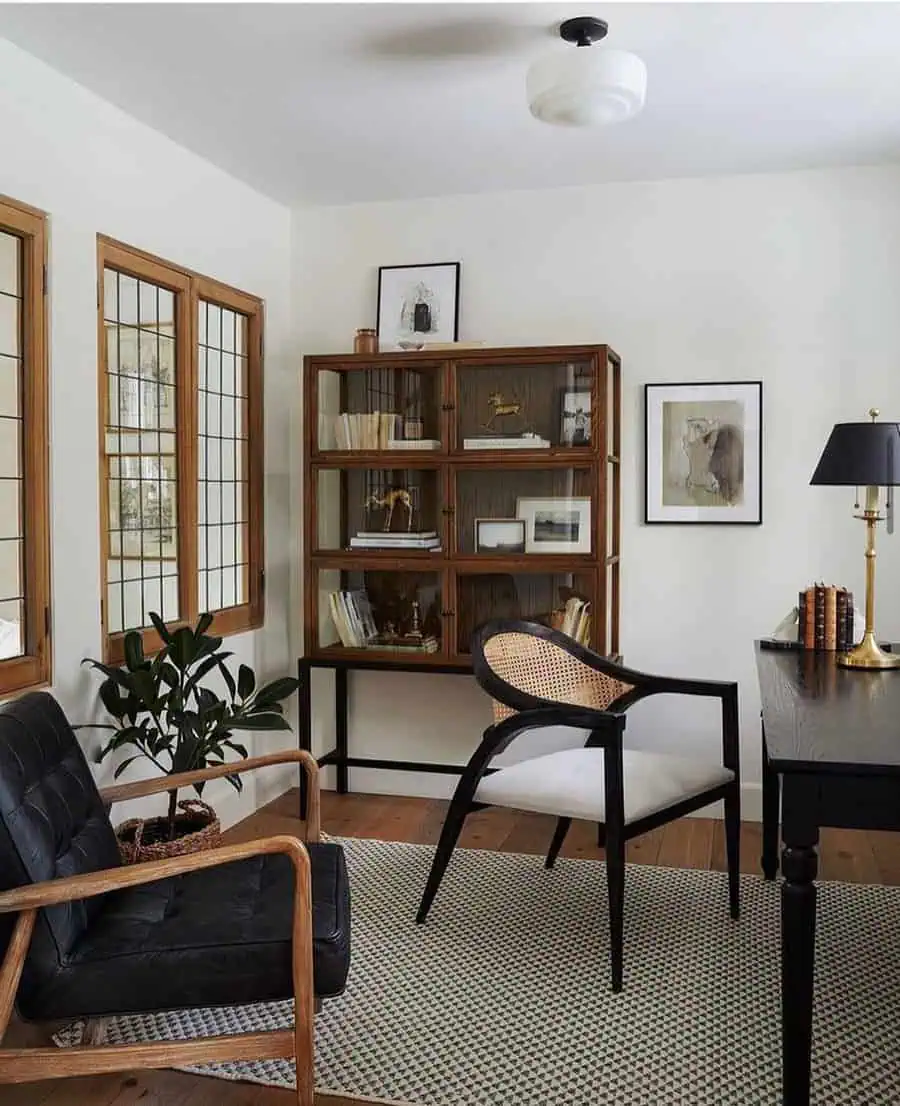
203, 669
130, 760
134, 650
265, 721
168, 674
111, 699
276, 691
229, 680
246, 682
160, 628
203, 623
183, 649
146, 688
237, 747
120, 677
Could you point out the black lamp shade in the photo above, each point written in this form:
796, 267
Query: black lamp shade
860, 453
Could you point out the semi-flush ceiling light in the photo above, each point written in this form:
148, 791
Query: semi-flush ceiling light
586, 87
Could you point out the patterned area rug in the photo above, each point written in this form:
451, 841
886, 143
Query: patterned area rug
503, 998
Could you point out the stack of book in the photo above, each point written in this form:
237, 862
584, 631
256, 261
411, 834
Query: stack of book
826, 618
574, 619
373, 431
397, 539
499, 441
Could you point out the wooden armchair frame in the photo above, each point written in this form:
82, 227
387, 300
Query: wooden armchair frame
29, 1064
605, 729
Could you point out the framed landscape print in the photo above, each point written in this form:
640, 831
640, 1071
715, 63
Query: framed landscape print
703, 452
418, 305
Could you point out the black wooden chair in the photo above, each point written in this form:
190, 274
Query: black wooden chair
538, 677
83, 936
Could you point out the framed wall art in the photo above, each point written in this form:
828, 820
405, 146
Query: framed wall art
557, 524
418, 305
499, 535
703, 452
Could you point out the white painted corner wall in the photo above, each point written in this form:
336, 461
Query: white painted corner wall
792, 279
94, 169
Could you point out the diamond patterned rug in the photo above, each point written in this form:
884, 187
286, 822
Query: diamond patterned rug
503, 998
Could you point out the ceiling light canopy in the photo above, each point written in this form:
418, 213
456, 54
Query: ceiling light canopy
587, 86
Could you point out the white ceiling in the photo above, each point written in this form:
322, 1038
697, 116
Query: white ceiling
337, 103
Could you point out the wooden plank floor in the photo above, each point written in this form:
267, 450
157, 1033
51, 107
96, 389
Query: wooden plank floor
851, 855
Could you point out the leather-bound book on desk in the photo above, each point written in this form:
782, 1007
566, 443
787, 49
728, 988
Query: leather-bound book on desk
831, 618
819, 598
809, 637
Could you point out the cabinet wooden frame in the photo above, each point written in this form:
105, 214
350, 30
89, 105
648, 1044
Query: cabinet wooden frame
189, 289
598, 464
33, 668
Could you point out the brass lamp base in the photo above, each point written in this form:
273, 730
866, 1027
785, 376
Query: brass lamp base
868, 654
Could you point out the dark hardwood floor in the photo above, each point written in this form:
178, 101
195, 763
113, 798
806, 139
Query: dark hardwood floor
851, 855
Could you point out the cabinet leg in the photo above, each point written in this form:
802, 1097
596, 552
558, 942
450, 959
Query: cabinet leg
304, 723
340, 729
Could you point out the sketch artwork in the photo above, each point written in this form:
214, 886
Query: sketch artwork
417, 305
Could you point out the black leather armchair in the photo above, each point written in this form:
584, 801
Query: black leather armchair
83, 936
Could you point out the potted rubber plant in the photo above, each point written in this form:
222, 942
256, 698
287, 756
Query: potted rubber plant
161, 711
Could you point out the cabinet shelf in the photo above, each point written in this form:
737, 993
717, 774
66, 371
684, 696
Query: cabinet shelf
524, 532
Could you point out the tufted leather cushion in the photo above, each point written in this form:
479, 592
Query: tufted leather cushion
216, 937
52, 824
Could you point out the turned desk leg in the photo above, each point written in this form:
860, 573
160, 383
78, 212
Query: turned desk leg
771, 804
799, 865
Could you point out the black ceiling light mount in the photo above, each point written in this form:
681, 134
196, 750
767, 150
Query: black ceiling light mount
583, 30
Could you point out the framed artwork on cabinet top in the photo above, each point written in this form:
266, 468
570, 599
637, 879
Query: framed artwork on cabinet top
418, 305
703, 452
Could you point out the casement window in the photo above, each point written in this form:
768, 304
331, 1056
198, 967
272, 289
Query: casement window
181, 448
24, 463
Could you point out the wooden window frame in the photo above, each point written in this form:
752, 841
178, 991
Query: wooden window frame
188, 288
33, 668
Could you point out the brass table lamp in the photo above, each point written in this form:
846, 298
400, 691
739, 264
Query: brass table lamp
864, 454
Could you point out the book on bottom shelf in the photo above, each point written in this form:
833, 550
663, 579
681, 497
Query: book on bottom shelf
351, 613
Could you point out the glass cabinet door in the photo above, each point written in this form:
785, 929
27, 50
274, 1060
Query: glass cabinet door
396, 611
526, 406
377, 510
563, 600
383, 407
518, 511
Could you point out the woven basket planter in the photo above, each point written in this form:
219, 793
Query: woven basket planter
196, 828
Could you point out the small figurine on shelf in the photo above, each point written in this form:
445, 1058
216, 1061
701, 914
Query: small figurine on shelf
501, 409
415, 625
388, 501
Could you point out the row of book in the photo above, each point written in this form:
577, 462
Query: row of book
351, 613
825, 618
574, 619
373, 431
397, 539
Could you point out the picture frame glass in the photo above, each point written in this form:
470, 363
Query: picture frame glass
418, 305
703, 453
556, 524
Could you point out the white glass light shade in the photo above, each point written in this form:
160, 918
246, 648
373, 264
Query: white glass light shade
586, 85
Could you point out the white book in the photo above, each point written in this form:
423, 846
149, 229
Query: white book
413, 443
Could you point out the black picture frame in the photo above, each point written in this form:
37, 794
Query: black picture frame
716, 490
586, 392
391, 280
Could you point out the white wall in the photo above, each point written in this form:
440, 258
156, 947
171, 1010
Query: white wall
793, 279
94, 169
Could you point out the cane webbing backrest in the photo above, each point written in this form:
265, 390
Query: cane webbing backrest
542, 668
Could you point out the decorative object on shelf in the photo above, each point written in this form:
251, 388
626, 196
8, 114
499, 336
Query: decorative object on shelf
703, 452
573, 617
589, 85
502, 408
365, 340
528, 440
864, 454
499, 535
415, 628
556, 524
426, 540
824, 619
412, 428
388, 501
575, 418
417, 305
373, 430
160, 709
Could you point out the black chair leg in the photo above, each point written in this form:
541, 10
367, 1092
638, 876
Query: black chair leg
733, 849
615, 886
559, 835
456, 815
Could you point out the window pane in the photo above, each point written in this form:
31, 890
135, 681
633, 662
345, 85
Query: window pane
142, 570
10, 344
12, 621
10, 264
222, 462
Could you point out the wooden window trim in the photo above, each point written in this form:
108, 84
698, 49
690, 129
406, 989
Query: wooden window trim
33, 669
189, 289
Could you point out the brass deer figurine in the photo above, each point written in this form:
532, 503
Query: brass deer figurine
389, 501
501, 408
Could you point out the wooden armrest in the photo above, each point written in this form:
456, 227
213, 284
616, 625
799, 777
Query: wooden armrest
55, 891
140, 788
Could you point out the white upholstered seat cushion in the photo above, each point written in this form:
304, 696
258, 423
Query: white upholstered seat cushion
569, 783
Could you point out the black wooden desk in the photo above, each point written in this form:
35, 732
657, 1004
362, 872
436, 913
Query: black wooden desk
831, 746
